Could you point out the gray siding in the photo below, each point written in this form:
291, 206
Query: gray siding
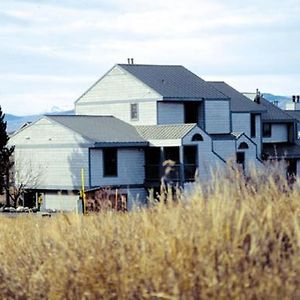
170, 113
117, 84
279, 134
147, 111
241, 123
52, 151
130, 168
226, 149
217, 116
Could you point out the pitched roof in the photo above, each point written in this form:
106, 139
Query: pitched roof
294, 114
174, 82
162, 132
228, 136
101, 129
273, 113
238, 102
282, 150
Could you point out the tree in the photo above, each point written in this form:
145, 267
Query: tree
6, 161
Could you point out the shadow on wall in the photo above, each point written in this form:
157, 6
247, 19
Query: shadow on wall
79, 160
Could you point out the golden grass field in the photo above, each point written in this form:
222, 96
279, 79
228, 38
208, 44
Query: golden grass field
236, 240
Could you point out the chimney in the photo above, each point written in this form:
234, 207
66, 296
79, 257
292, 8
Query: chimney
257, 97
294, 98
132, 61
128, 61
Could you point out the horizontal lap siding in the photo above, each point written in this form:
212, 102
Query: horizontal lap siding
279, 134
61, 202
217, 116
226, 149
56, 168
241, 123
130, 168
146, 110
53, 152
117, 85
170, 113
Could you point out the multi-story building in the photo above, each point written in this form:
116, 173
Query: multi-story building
132, 120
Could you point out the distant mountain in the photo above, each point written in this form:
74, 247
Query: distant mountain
281, 100
16, 122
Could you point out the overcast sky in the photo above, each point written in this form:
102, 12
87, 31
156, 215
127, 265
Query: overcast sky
51, 51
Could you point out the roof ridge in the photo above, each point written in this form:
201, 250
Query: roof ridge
149, 65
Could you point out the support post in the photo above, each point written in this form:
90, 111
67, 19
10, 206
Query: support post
181, 164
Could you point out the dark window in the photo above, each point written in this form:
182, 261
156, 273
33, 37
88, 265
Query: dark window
110, 162
191, 112
134, 111
267, 130
197, 137
243, 145
253, 125
240, 159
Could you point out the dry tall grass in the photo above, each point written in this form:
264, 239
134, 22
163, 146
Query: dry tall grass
236, 240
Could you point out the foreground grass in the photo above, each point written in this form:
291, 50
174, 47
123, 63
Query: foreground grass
237, 240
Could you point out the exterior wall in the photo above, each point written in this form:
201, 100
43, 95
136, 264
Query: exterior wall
217, 116
279, 134
298, 167
117, 84
50, 156
130, 168
258, 135
225, 148
250, 154
170, 113
147, 111
207, 160
241, 123
61, 202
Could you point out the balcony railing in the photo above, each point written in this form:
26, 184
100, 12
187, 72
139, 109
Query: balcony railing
154, 172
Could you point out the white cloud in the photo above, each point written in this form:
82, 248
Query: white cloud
244, 42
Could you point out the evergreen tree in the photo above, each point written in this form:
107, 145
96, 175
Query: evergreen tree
5, 157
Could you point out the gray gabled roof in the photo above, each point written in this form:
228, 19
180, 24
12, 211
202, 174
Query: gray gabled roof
174, 82
101, 129
238, 102
294, 114
227, 136
273, 113
164, 132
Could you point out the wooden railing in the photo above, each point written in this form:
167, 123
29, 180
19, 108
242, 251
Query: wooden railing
154, 172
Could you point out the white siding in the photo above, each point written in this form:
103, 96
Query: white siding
117, 84
217, 116
130, 168
52, 153
225, 148
258, 138
61, 202
207, 160
298, 167
241, 123
279, 134
146, 111
170, 113
250, 153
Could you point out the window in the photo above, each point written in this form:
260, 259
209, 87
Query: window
253, 125
134, 111
197, 137
110, 162
267, 130
240, 159
243, 145
191, 112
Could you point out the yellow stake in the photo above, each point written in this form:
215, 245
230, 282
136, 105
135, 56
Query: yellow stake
82, 192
